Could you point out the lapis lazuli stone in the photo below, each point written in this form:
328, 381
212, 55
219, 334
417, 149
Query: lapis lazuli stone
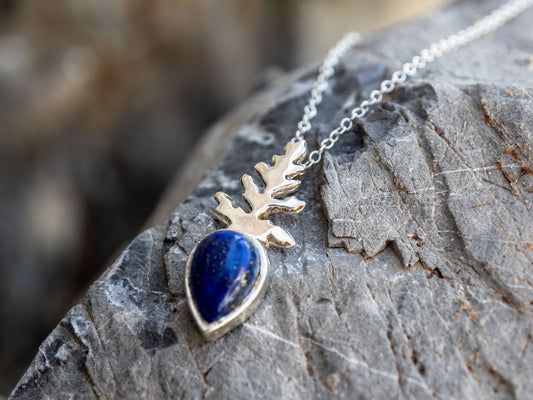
223, 271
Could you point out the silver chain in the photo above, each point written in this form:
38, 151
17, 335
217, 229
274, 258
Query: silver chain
487, 24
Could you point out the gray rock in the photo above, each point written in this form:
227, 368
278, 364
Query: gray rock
411, 276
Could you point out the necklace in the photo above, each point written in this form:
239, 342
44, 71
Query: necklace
227, 272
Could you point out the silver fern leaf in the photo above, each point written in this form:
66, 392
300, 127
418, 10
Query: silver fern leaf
279, 183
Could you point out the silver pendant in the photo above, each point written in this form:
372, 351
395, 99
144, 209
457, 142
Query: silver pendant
227, 272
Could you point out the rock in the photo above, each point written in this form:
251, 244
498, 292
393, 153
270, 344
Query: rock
411, 273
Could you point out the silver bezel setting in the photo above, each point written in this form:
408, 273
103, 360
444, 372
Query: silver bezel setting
213, 330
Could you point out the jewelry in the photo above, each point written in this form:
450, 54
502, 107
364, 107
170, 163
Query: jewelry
227, 272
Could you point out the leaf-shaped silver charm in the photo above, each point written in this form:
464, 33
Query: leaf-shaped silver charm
227, 271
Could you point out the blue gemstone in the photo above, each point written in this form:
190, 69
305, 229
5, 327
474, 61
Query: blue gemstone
223, 271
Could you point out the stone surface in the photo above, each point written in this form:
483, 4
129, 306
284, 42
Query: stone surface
411, 277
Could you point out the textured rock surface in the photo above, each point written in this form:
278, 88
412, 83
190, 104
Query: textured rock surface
411, 276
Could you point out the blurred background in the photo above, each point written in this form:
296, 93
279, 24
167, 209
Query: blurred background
100, 101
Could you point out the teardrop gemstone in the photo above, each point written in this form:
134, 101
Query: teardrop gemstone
224, 269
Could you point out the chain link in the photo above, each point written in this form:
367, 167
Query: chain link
326, 71
487, 24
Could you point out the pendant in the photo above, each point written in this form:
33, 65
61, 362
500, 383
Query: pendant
227, 272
